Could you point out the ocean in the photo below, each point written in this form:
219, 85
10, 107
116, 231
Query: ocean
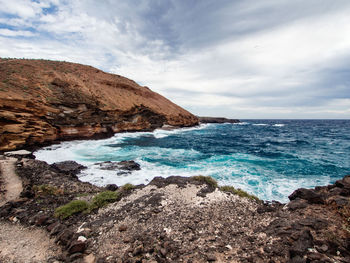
267, 158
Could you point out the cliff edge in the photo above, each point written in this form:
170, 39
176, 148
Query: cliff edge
42, 101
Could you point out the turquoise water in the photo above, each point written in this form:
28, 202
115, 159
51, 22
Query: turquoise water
268, 158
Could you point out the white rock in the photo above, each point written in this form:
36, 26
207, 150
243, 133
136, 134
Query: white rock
228, 247
82, 238
19, 152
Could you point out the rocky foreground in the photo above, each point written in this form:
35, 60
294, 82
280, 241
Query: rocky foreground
44, 101
169, 220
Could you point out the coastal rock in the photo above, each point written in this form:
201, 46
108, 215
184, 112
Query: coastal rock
66, 101
68, 167
310, 195
111, 187
297, 204
128, 166
216, 120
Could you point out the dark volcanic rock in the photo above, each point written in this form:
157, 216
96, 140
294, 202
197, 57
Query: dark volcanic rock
162, 182
216, 120
300, 246
112, 187
68, 167
297, 204
129, 166
125, 166
310, 195
76, 247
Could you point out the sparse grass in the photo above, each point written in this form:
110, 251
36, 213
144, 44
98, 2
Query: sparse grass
45, 190
73, 207
104, 198
206, 179
82, 194
79, 206
128, 187
239, 192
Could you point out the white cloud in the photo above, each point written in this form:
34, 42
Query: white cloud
15, 33
266, 58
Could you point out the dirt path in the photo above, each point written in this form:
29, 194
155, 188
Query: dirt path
11, 186
24, 245
18, 243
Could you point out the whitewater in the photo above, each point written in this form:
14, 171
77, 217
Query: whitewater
267, 158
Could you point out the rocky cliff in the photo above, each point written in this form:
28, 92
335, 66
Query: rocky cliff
42, 101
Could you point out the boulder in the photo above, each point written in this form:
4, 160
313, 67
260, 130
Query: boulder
68, 167
111, 187
297, 204
77, 247
310, 195
129, 166
124, 167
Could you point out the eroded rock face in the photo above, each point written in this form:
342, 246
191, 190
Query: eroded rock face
43, 101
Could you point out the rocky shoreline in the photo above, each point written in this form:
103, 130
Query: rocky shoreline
176, 219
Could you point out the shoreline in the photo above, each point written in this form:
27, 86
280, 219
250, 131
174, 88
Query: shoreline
185, 218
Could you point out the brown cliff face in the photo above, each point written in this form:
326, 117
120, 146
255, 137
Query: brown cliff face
42, 101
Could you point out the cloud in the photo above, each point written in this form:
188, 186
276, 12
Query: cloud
13, 33
268, 59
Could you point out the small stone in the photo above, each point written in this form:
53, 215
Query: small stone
82, 238
138, 250
228, 247
90, 259
41, 220
164, 252
75, 256
77, 246
211, 258
127, 240
123, 228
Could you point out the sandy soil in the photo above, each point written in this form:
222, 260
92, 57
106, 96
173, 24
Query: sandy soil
11, 183
28, 245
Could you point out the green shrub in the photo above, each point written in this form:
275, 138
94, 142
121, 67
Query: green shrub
103, 199
128, 187
239, 192
45, 190
73, 207
206, 179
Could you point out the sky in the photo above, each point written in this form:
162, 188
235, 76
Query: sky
234, 58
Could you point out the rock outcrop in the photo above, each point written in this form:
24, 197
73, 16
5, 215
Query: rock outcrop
44, 101
216, 120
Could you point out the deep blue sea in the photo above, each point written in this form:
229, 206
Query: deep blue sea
268, 158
